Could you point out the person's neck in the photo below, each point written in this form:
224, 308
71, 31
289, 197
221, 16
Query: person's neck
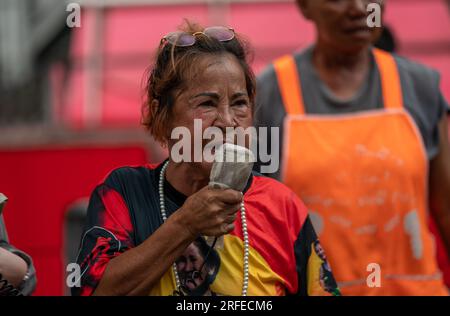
331, 59
186, 178
343, 72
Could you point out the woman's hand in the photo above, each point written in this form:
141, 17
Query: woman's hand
12, 267
210, 212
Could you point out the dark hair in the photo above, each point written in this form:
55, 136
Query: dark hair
174, 66
209, 254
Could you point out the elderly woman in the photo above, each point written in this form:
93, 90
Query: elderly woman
364, 145
147, 225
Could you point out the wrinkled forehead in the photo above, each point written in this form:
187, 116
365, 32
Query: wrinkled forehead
214, 70
213, 64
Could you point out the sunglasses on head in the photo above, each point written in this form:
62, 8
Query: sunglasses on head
184, 39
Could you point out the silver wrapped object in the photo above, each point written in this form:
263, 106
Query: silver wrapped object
231, 169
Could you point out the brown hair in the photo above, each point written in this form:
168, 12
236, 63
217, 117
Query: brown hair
172, 69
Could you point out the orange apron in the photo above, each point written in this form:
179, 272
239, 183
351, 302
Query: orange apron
364, 179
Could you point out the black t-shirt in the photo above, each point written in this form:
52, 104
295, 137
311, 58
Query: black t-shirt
124, 210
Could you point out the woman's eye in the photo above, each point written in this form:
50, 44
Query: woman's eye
240, 103
207, 104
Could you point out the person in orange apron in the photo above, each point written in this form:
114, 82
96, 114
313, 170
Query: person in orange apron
364, 144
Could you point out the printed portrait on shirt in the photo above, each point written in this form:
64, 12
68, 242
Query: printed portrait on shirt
319, 272
197, 268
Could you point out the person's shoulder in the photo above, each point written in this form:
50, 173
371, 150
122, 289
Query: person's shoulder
274, 188
262, 179
268, 74
126, 175
124, 172
421, 86
414, 68
281, 200
417, 74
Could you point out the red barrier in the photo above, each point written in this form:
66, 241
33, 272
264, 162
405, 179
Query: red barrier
40, 185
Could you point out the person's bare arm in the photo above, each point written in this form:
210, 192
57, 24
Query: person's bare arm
440, 184
12, 267
137, 271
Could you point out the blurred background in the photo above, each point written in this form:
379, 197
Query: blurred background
70, 97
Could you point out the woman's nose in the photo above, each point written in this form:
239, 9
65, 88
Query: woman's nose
358, 7
189, 266
225, 118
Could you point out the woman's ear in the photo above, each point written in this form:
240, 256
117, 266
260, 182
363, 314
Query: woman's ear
154, 106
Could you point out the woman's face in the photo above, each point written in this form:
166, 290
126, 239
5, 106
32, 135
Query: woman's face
217, 95
320, 252
189, 266
342, 24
